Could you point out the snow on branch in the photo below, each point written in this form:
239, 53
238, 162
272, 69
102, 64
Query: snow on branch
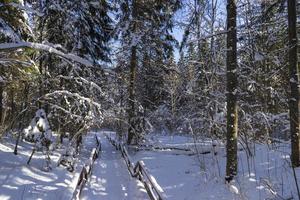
83, 109
69, 113
85, 81
22, 7
74, 95
8, 31
44, 47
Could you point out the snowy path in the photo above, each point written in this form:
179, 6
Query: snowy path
110, 178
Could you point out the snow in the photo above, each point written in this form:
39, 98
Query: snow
174, 166
233, 189
267, 175
21, 181
8, 31
48, 48
25, 8
95, 4
111, 179
39, 126
171, 173
258, 56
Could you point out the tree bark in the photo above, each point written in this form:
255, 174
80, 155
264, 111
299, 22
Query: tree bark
131, 111
133, 66
1, 100
294, 83
232, 115
12, 104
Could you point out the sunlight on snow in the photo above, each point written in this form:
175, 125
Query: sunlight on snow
35, 175
9, 187
22, 181
252, 180
103, 165
140, 186
5, 148
261, 187
61, 184
4, 197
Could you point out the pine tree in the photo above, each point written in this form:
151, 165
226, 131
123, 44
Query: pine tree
144, 26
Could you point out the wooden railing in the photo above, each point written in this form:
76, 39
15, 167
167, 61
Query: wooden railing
86, 170
140, 171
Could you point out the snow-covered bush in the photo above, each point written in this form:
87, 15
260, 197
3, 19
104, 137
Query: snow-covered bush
40, 134
39, 129
162, 120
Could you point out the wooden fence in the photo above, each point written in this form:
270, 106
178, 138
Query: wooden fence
86, 170
140, 171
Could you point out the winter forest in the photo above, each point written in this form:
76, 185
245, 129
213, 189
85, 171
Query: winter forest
149, 99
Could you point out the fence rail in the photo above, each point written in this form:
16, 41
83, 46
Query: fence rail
86, 170
140, 171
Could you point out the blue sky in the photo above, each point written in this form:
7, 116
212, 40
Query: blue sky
177, 33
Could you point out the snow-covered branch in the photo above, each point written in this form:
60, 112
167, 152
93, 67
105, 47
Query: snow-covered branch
44, 47
22, 7
85, 81
74, 95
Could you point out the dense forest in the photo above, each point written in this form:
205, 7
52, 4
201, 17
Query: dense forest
227, 71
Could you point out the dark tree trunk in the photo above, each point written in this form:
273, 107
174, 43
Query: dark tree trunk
294, 83
232, 115
23, 115
120, 115
133, 66
1, 100
12, 105
131, 111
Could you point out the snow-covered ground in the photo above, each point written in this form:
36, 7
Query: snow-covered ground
183, 173
110, 178
19, 181
185, 176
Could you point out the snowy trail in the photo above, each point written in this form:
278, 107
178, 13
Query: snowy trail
110, 178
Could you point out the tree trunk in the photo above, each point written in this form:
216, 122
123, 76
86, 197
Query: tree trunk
1, 100
131, 111
23, 116
12, 106
120, 114
133, 66
294, 83
232, 115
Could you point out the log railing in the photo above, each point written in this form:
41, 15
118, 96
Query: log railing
86, 170
140, 171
